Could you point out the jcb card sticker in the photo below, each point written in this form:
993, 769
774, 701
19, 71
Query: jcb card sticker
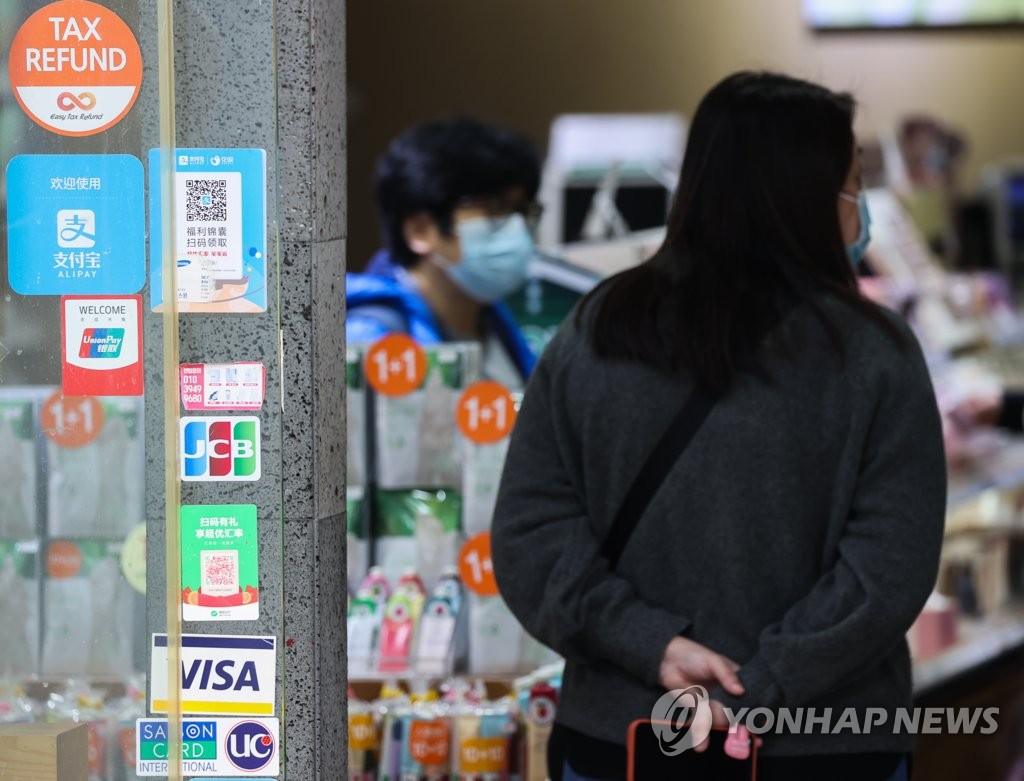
76, 225
220, 675
220, 449
102, 348
219, 563
75, 68
225, 748
222, 386
220, 235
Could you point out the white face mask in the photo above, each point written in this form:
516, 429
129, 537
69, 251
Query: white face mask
495, 260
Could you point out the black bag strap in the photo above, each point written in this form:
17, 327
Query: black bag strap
659, 463
670, 447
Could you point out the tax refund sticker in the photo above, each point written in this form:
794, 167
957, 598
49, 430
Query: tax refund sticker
75, 68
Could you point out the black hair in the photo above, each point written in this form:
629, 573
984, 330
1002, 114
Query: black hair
754, 223
433, 165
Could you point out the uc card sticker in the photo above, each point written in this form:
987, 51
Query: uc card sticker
210, 747
220, 231
75, 225
220, 674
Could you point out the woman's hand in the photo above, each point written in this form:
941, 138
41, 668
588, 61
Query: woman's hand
719, 720
687, 663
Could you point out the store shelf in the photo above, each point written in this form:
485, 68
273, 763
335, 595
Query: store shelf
1002, 470
981, 641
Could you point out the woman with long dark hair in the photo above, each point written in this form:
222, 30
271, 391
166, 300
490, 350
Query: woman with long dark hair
795, 536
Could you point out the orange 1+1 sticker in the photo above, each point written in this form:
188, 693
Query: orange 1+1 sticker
63, 559
476, 567
71, 421
75, 68
396, 365
486, 413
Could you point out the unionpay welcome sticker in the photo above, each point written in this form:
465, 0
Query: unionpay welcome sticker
75, 68
102, 351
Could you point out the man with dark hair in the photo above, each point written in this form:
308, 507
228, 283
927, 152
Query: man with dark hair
457, 209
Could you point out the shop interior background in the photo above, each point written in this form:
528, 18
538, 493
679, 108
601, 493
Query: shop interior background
524, 63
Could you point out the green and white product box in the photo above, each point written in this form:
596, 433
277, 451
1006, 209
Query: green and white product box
498, 644
358, 537
417, 438
89, 622
96, 491
481, 478
220, 577
355, 406
419, 529
496, 637
19, 606
18, 464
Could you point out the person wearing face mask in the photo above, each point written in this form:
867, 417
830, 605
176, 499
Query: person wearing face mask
457, 208
728, 470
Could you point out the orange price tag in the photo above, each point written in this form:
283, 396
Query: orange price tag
483, 755
71, 421
476, 567
428, 742
486, 413
362, 733
396, 365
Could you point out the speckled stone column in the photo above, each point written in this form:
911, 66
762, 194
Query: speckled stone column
270, 74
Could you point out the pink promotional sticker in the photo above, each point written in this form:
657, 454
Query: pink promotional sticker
208, 387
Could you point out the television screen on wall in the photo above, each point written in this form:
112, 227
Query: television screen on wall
866, 14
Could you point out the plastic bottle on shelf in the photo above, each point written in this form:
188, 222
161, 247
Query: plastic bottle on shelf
398, 628
376, 584
411, 582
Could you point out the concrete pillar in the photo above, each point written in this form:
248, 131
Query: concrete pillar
271, 74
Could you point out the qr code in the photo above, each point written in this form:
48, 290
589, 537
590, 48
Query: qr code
206, 200
220, 572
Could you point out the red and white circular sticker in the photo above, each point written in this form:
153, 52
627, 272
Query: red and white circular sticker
75, 68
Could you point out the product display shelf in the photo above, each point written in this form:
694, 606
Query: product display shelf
1001, 469
981, 641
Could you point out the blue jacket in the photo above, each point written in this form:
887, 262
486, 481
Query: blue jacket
378, 303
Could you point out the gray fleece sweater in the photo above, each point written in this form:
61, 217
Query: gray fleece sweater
799, 534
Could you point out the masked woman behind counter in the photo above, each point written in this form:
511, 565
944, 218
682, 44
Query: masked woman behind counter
796, 538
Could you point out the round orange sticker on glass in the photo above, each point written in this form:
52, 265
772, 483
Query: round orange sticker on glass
71, 421
63, 559
476, 567
396, 365
75, 67
486, 413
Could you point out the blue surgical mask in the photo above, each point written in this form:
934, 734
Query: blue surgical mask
855, 252
495, 260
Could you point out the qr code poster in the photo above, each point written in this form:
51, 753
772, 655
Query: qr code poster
219, 563
220, 231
